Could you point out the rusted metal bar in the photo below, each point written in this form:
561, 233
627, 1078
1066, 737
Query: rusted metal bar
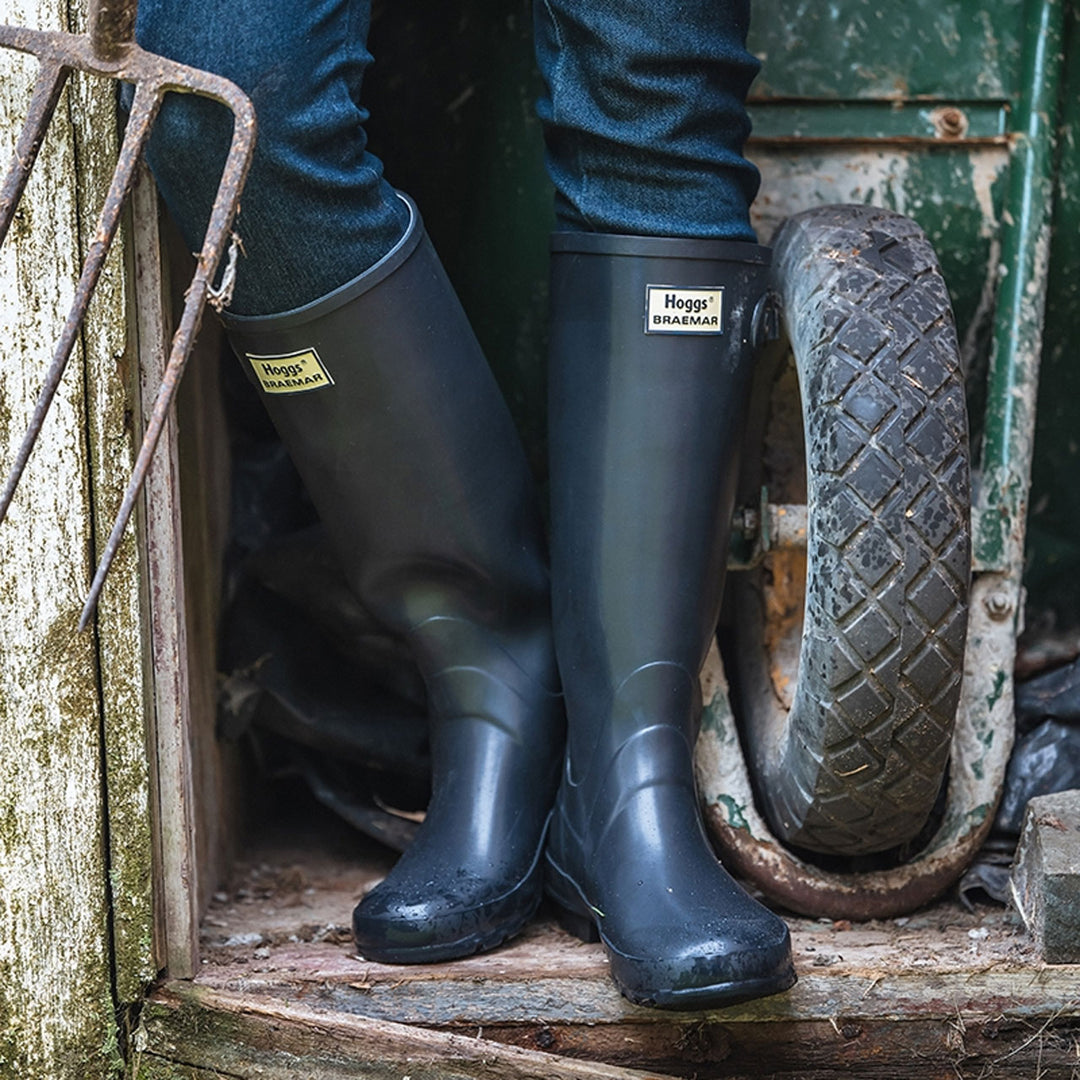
142, 115
109, 50
112, 27
47, 90
768, 527
217, 236
750, 849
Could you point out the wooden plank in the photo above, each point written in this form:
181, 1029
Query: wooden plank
547, 976
197, 810
56, 1003
1046, 875
159, 536
152, 1067
169, 705
111, 351
281, 929
946, 992
1005, 1048
250, 1037
204, 471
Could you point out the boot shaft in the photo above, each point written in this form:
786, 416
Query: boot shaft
399, 430
651, 354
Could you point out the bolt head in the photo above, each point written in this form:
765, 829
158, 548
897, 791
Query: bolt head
998, 606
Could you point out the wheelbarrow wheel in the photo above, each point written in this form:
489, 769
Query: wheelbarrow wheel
849, 654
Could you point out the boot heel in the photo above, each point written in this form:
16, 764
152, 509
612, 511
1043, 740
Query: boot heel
580, 926
571, 909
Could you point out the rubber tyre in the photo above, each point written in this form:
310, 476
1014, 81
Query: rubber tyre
855, 766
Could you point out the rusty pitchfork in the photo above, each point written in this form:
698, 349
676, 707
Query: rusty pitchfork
109, 50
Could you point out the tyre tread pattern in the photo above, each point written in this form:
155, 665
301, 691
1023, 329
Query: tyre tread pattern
868, 736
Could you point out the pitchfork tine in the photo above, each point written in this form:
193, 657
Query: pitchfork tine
110, 50
142, 116
213, 245
47, 90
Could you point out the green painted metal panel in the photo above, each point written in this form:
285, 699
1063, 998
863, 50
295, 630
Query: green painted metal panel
856, 121
957, 49
1002, 487
1052, 574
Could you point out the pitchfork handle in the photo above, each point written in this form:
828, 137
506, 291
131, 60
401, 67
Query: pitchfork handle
112, 27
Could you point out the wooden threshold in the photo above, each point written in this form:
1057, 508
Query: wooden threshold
281, 993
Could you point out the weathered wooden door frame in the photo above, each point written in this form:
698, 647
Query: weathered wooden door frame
99, 886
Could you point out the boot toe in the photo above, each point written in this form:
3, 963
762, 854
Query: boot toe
401, 922
710, 965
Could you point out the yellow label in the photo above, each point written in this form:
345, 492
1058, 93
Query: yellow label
293, 373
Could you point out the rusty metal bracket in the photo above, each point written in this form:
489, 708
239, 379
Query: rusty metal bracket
109, 50
981, 744
755, 531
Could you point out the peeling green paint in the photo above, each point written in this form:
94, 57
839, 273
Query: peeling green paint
955, 195
856, 49
735, 815
1012, 379
1000, 679
1052, 573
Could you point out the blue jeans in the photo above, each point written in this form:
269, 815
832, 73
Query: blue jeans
644, 123
644, 116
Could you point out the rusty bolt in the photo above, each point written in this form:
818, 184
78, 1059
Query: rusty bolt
998, 606
949, 123
747, 523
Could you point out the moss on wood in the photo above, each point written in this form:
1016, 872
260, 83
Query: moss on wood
57, 1007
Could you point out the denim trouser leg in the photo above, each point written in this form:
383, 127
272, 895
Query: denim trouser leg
316, 211
644, 122
644, 115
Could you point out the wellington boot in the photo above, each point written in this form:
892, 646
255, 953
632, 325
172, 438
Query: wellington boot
652, 343
408, 451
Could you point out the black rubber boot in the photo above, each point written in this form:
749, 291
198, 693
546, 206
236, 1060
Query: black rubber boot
652, 343
406, 446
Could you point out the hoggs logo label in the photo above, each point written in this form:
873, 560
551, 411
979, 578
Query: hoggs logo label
290, 374
669, 310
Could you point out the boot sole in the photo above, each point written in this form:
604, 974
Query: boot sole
443, 951
579, 918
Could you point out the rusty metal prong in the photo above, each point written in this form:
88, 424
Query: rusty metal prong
112, 27
50, 84
214, 244
143, 111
